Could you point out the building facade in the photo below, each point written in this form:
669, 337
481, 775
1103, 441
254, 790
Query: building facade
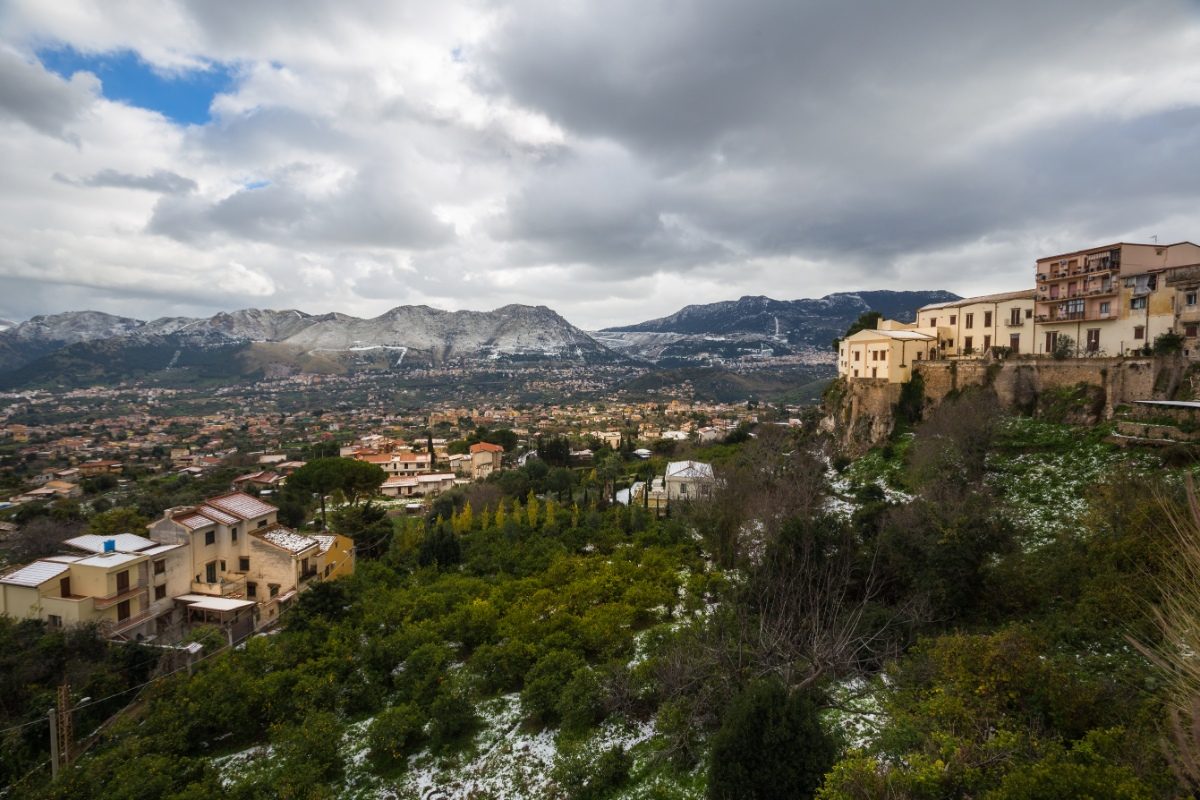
1114, 299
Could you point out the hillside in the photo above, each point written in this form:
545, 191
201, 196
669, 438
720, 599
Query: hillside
950, 612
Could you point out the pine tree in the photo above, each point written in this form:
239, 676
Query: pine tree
531, 510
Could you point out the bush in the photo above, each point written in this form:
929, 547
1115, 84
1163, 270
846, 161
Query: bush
1168, 343
769, 745
545, 682
394, 733
581, 703
582, 779
451, 716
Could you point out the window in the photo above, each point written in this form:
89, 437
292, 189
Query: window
122, 610
251, 590
953, 319
987, 319
1189, 330
222, 565
160, 592
1014, 317
262, 523
1190, 298
64, 586
244, 564
1028, 313
1137, 303
1093, 340
1014, 342
54, 620
970, 321
233, 532
210, 537
274, 589
968, 343
1139, 331
857, 353
210, 572
987, 342
1105, 309
933, 322
160, 566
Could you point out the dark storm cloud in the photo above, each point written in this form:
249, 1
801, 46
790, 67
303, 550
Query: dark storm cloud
846, 130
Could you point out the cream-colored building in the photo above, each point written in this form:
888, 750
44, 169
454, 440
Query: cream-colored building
124, 584
238, 551
486, 458
888, 352
1114, 299
973, 326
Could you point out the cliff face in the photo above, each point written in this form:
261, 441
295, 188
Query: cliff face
862, 414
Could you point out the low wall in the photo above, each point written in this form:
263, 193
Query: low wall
861, 413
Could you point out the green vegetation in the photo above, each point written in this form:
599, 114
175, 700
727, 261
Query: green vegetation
950, 616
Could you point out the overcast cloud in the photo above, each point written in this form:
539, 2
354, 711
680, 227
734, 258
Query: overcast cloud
614, 160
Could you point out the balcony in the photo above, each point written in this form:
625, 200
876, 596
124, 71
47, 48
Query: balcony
110, 627
101, 603
224, 587
1018, 324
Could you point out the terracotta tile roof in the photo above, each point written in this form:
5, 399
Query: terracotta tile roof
486, 447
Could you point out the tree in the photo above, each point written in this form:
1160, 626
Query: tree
356, 480
867, 321
770, 745
117, 520
368, 526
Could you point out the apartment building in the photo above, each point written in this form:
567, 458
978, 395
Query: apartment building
1114, 299
975, 325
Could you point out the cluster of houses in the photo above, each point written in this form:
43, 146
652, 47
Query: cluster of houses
427, 472
226, 562
1111, 300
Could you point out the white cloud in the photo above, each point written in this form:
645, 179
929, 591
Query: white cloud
614, 161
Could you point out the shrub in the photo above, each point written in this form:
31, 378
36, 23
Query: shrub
451, 716
394, 733
581, 702
582, 779
770, 745
545, 682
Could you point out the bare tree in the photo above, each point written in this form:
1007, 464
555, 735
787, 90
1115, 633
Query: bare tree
42, 536
1177, 653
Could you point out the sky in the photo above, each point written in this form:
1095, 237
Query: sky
614, 160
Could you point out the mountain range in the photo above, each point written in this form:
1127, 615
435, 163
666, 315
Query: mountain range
90, 347
757, 324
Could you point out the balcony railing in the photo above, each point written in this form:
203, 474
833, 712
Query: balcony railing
223, 587
1017, 324
111, 627
126, 594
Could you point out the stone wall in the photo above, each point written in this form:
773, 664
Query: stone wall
861, 413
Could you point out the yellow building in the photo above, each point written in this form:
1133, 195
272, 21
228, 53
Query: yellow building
973, 326
1114, 299
887, 353
125, 584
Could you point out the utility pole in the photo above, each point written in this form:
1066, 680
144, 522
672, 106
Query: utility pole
64, 724
53, 719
